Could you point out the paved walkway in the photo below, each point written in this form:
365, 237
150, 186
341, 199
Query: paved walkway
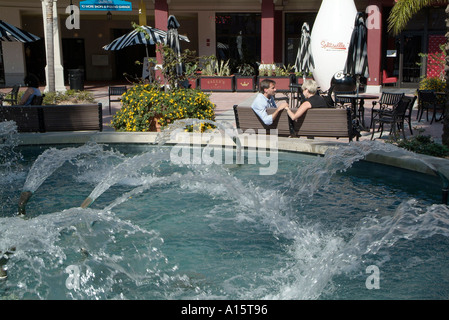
225, 101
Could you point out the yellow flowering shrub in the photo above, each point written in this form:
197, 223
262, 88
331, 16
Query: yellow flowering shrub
145, 103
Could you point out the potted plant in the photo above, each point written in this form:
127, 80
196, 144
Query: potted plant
280, 74
216, 75
245, 78
191, 72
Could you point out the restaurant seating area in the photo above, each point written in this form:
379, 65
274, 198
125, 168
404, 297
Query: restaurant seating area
391, 110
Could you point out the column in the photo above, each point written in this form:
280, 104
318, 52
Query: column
160, 19
267, 32
374, 26
160, 22
59, 70
206, 33
142, 13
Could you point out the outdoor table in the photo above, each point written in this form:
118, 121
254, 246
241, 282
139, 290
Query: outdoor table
358, 100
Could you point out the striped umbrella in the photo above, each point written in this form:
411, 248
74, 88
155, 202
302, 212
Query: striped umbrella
142, 35
172, 40
9, 32
357, 61
304, 60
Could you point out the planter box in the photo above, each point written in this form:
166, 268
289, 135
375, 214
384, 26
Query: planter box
245, 83
282, 82
193, 83
300, 80
211, 83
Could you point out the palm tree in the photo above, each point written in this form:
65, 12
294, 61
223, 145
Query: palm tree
400, 15
50, 46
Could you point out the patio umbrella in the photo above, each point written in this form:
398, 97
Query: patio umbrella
357, 60
143, 35
172, 40
9, 32
304, 60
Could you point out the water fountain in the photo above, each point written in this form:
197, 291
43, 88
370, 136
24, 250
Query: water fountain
154, 229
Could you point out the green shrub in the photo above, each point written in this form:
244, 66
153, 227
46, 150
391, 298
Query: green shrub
424, 144
143, 102
432, 83
70, 96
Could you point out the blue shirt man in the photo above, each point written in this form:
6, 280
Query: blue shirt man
265, 99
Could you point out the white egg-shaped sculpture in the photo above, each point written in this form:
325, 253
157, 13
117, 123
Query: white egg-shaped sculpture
330, 39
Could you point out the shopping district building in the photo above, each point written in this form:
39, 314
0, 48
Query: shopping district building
270, 30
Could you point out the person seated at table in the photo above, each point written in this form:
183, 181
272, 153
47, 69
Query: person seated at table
265, 99
312, 100
32, 83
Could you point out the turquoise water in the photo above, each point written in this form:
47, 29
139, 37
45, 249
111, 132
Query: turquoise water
315, 230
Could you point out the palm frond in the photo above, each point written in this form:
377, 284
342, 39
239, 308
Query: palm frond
404, 10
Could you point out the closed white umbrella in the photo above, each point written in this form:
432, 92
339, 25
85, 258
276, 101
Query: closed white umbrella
357, 60
172, 40
304, 60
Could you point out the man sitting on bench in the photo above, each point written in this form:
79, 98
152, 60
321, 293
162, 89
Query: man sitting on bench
265, 99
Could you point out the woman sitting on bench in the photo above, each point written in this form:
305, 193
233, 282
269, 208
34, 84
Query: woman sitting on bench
33, 90
313, 100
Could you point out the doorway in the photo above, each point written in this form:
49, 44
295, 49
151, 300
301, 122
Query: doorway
73, 53
406, 61
411, 63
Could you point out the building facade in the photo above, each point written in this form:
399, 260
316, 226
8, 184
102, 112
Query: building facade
263, 31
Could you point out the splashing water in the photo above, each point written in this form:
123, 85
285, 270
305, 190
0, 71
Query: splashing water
159, 230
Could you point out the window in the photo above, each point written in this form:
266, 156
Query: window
238, 36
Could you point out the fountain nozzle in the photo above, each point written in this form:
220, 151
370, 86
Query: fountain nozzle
23, 200
87, 202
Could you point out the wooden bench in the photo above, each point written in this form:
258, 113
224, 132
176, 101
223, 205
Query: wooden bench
27, 118
247, 119
49, 118
319, 122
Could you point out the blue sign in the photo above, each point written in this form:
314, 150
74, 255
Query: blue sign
106, 5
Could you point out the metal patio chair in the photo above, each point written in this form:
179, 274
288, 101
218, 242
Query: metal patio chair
427, 99
386, 102
394, 117
13, 99
117, 92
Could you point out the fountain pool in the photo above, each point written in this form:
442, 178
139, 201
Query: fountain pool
327, 227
